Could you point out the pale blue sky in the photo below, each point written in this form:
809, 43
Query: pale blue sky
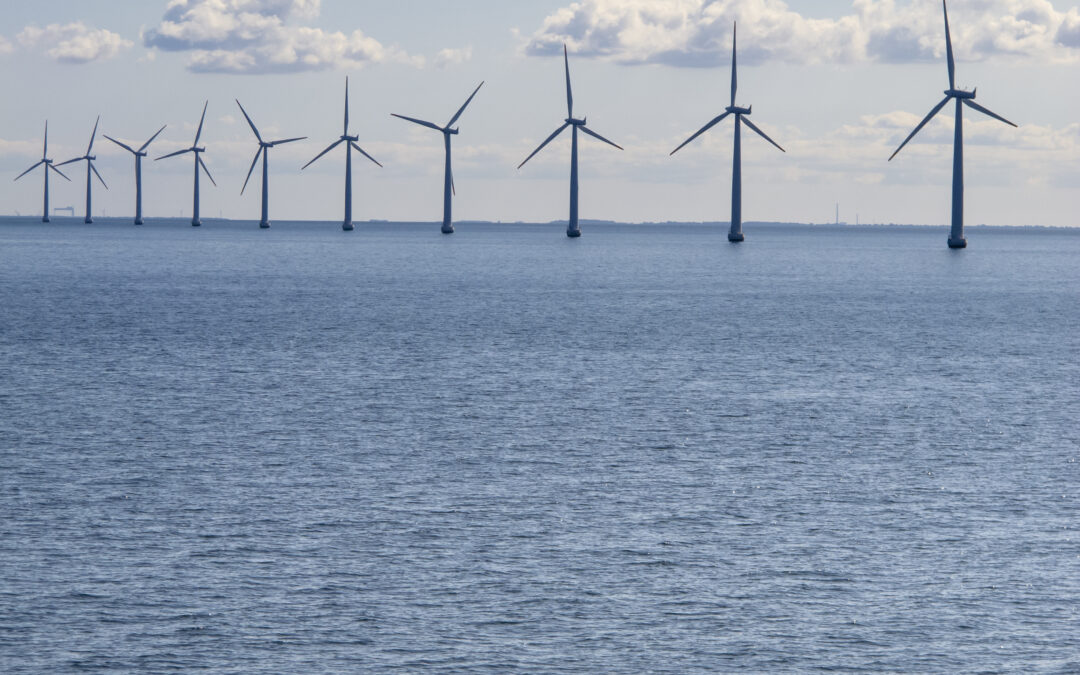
837, 83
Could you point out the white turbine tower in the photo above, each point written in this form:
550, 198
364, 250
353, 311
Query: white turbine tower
195, 220
351, 143
735, 234
264, 150
956, 231
139, 154
448, 174
572, 229
89, 167
48, 165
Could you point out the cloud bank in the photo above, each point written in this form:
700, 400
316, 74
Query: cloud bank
262, 36
73, 42
697, 33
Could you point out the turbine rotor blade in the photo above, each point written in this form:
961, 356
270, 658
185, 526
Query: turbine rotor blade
257, 153
361, 151
29, 170
546, 141
198, 132
331, 147
122, 145
972, 104
463, 106
762, 134
288, 140
173, 154
569, 93
922, 124
596, 135
250, 123
948, 48
59, 172
713, 122
420, 122
203, 165
45, 145
147, 144
94, 169
734, 78
346, 131
93, 134
77, 159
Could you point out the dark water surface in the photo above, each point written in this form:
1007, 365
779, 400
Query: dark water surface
301, 450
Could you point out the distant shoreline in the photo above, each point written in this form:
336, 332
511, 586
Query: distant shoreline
35, 219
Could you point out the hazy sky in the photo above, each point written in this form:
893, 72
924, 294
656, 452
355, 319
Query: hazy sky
838, 83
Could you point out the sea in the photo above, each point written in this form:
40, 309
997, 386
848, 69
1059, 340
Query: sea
647, 450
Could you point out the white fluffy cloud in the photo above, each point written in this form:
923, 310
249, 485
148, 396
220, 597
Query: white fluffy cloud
452, 57
260, 36
74, 42
5, 46
698, 32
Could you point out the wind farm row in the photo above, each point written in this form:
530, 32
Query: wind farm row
740, 114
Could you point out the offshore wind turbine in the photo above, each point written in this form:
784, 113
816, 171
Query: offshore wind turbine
264, 150
956, 231
350, 143
195, 220
735, 234
139, 154
48, 165
572, 229
89, 167
448, 174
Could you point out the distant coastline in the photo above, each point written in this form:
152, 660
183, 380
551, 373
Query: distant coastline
9, 219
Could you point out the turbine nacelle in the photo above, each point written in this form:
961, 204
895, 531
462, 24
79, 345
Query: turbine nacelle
960, 93
350, 139
736, 110
576, 122
448, 130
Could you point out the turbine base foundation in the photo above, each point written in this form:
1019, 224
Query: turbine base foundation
264, 224
347, 227
88, 220
196, 223
45, 219
735, 237
573, 234
957, 243
447, 229
138, 221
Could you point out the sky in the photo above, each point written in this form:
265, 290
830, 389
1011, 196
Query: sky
838, 83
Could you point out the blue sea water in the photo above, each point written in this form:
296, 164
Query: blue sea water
228, 450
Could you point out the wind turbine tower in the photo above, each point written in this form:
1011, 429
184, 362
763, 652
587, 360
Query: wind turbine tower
195, 220
448, 174
264, 150
139, 154
350, 143
735, 234
48, 165
89, 167
572, 229
962, 98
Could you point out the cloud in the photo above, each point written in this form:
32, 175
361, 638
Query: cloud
452, 57
260, 36
5, 46
699, 32
74, 42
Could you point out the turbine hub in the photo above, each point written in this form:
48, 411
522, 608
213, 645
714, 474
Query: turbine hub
959, 93
47, 161
575, 122
90, 158
353, 139
736, 110
198, 150
451, 131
